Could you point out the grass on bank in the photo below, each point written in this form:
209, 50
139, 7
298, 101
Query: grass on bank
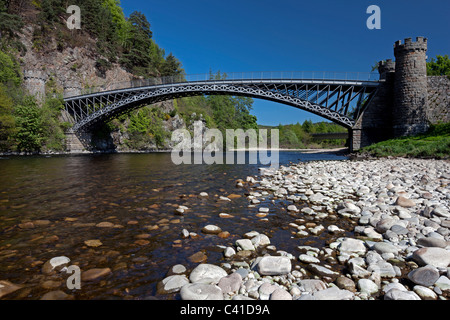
433, 144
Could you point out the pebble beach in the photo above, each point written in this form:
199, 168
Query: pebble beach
395, 246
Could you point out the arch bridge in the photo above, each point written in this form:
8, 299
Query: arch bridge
338, 97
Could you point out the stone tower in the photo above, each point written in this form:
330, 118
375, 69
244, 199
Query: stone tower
34, 81
410, 88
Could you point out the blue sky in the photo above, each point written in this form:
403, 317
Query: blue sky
289, 35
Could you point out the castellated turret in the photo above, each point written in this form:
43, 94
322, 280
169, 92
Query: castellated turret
410, 89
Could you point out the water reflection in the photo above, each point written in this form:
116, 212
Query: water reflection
50, 206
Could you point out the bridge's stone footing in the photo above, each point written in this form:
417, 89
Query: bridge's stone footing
79, 142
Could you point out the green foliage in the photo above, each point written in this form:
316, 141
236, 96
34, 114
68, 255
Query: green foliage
299, 136
9, 70
121, 25
146, 127
439, 66
29, 130
10, 26
171, 67
137, 46
433, 144
7, 121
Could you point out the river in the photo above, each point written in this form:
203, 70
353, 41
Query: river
51, 205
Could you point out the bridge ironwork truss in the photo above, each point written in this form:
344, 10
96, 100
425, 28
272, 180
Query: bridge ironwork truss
339, 101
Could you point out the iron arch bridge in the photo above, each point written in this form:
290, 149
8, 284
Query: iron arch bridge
338, 97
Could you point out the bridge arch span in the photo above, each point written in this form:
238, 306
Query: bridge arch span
337, 101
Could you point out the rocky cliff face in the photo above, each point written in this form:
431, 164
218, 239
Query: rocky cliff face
72, 69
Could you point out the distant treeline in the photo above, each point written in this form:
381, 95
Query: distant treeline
300, 136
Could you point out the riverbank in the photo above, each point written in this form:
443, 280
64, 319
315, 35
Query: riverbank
434, 144
338, 151
385, 226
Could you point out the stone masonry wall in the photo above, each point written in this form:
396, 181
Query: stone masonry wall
438, 99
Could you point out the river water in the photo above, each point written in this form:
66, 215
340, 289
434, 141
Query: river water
49, 207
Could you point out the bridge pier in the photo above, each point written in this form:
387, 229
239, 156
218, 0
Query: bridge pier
375, 123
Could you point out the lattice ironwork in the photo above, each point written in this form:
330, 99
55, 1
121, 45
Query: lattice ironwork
340, 101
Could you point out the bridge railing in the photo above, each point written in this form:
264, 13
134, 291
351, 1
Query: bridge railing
234, 76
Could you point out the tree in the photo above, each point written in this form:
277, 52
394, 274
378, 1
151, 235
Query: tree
439, 66
29, 131
9, 70
7, 121
171, 67
137, 46
10, 26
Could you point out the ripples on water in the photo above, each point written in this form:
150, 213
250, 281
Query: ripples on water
138, 193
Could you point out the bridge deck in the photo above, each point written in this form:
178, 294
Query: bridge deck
338, 100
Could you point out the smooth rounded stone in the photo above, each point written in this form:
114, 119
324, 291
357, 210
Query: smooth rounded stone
208, 272
312, 285
55, 263
367, 286
184, 233
105, 224
261, 240
350, 246
211, 229
372, 234
383, 268
265, 290
443, 283
203, 194
245, 244
172, 284
405, 202
292, 208
7, 287
201, 291
251, 234
425, 276
198, 257
385, 247
396, 294
229, 252
93, 243
264, 210
306, 258
56, 295
317, 230
243, 272
384, 224
295, 291
345, 283
94, 274
393, 285
280, 294
322, 271
349, 207
241, 297
434, 256
400, 230
274, 265
176, 269
230, 283
441, 212
432, 242
364, 220
425, 293
334, 229
333, 293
